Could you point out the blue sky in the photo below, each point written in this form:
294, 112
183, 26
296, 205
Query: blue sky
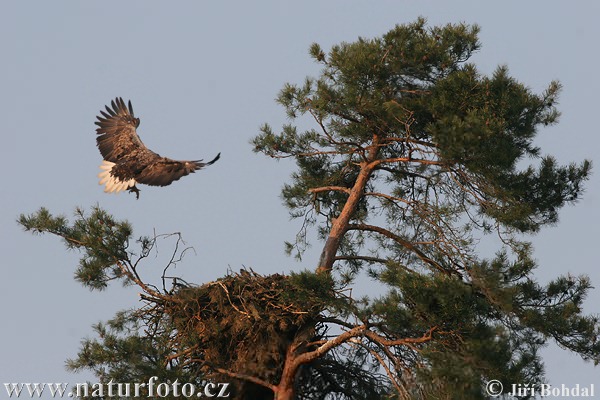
202, 77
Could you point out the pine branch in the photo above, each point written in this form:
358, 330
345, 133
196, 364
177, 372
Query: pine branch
361, 258
329, 189
405, 243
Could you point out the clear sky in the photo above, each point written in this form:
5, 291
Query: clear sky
202, 77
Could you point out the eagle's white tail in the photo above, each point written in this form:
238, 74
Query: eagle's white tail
111, 183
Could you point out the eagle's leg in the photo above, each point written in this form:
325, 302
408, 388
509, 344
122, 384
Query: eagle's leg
135, 190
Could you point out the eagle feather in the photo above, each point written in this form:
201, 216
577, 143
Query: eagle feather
127, 160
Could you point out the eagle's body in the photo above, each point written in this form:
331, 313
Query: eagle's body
127, 160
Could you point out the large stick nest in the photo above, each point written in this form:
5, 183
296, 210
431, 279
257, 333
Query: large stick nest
245, 322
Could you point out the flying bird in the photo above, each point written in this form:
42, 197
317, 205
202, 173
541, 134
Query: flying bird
127, 161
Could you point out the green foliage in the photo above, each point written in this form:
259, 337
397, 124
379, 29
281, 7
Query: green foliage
103, 240
414, 155
343, 374
443, 129
125, 351
491, 328
450, 155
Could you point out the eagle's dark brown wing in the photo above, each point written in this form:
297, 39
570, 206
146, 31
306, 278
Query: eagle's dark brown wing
117, 137
164, 171
127, 160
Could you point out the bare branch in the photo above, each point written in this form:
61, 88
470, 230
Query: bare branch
329, 188
327, 346
407, 160
245, 377
428, 336
361, 258
399, 388
405, 243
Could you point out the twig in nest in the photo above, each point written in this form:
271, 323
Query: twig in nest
230, 302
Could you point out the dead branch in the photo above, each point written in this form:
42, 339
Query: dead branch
245, 377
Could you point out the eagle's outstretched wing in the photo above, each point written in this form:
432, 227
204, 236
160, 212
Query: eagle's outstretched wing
127, 160
164, 171
117, 137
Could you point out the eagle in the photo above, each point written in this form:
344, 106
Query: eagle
127, 161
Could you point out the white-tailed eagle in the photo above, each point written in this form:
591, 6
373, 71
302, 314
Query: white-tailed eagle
127, 160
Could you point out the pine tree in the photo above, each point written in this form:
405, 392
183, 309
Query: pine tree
412, 157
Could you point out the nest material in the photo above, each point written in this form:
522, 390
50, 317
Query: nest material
245, 322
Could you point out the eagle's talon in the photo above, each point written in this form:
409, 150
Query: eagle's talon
127, 160
135, 190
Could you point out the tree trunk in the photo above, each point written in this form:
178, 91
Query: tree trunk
286, 393
340, 225
285, 389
